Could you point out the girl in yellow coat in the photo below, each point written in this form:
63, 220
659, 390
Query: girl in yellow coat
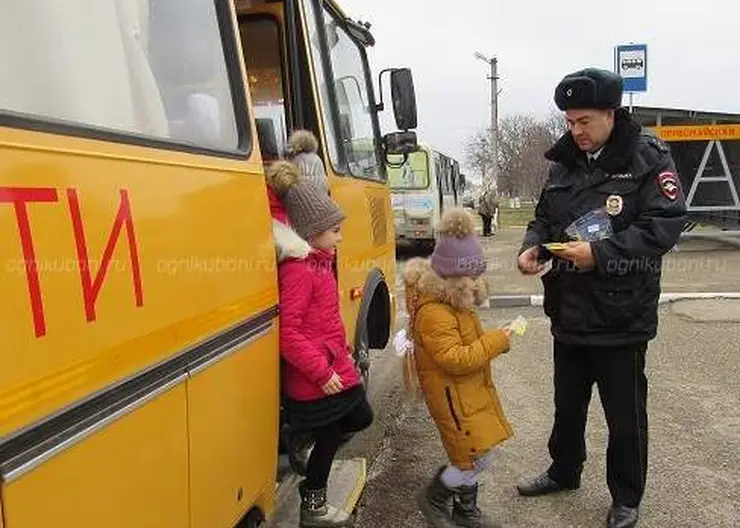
453, 362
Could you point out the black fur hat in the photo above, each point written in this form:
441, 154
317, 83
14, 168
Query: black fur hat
590, 88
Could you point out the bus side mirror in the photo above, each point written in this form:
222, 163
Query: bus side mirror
403, 95
404, 99
400, 143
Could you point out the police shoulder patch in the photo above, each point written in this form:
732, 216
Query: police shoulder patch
668, 183
657, 143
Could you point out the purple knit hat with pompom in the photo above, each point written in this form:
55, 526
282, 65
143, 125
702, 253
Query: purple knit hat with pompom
457, 252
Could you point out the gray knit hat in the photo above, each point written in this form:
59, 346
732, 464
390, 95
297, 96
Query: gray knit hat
310, 210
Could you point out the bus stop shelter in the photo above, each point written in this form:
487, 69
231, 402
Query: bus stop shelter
706, 149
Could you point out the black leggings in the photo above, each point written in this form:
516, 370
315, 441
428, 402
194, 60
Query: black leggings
328, 440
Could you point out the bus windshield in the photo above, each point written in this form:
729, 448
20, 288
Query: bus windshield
414, 174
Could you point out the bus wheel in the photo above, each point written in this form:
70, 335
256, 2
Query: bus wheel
362, 356
373, 323
252, 520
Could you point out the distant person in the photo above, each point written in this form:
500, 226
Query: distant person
488, 204
602, 296
453, 355
302, 150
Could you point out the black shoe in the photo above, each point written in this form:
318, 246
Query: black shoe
465, 511
316, 513
544, 484
434, 502
622, 517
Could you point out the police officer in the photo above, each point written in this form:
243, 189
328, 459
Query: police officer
602, 296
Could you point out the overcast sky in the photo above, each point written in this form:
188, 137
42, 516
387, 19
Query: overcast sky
693, 53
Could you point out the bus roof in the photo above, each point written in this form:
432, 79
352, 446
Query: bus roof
358, 29
337, 8
430, 149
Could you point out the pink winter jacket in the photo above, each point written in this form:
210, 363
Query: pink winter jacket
312, 338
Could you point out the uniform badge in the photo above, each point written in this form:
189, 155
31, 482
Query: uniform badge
614, 205
668, 185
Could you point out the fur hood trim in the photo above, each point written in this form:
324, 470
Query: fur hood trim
288, 243
423, 282
300, 142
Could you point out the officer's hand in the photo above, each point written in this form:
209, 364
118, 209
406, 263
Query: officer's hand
579, 253
528, 263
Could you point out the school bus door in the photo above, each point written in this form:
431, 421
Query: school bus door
311, 71
350, 132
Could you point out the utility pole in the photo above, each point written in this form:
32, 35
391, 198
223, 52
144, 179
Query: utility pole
492, 177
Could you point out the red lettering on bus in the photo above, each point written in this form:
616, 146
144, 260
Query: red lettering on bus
20, 197
91, 287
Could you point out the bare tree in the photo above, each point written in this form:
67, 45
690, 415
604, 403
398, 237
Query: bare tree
477, 153
555, 124
523, 141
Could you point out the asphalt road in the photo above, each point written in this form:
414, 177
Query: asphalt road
694, 401
694, 464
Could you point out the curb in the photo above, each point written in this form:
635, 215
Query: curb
515, 301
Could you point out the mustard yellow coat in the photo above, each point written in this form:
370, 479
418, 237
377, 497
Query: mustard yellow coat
453, 357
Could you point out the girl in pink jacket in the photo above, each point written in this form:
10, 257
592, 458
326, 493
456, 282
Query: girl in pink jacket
322, 388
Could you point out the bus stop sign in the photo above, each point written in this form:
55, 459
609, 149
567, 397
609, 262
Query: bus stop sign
630, 62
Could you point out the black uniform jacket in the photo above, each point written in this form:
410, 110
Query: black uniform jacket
634, 180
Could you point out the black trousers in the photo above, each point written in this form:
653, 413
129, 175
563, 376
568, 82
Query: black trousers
487, 220
619, 374
329, 438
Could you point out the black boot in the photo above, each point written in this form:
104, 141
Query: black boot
622, 517
544, 484
465, 511
434, 502
316, 513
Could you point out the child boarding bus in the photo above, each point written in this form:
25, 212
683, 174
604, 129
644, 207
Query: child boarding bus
423, 184
139, 384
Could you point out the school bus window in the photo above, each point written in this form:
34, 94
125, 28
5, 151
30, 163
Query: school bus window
262, 52
356, 127
356, 130
413, 174
314, 39
154, 68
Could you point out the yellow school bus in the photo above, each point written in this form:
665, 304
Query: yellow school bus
139, 378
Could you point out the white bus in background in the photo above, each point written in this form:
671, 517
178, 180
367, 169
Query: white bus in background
422, 188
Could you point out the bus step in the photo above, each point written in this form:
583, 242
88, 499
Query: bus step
346, 483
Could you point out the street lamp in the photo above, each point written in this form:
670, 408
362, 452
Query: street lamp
493, 77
